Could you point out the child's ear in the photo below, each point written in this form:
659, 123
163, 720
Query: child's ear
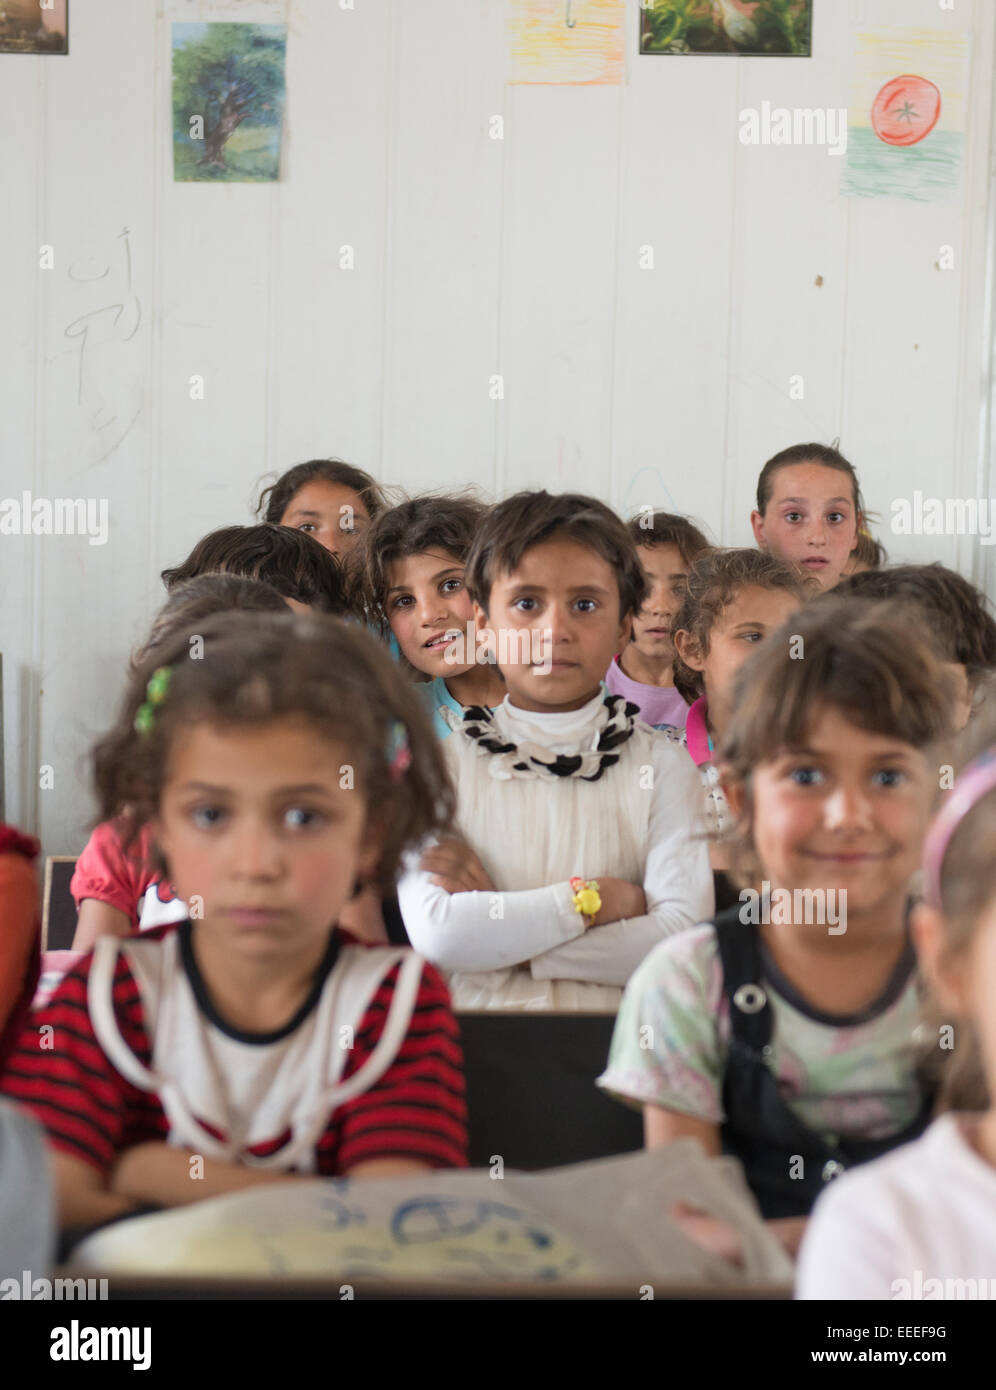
371, 848
625, 630
946, 979
688, 649
488, 645
757, 526
369, 861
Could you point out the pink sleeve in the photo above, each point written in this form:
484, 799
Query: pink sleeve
105, 872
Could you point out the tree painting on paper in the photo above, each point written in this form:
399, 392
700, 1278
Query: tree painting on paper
228, 101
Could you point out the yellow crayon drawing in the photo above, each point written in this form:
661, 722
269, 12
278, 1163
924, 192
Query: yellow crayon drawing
572, 42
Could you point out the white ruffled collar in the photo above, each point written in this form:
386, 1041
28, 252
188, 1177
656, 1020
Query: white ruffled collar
569, 731
524, 743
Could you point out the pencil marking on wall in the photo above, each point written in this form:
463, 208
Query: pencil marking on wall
104, 279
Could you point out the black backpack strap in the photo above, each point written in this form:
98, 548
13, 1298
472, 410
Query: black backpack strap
751, 1018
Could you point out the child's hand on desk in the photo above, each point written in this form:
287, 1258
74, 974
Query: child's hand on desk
620, 900
455, 867
722, 1238
157, 1173
709, 1232
130, 1175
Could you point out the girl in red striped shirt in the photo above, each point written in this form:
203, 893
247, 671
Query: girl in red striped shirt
281, 764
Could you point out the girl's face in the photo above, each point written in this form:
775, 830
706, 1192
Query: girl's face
752, 616
332, 513
556, 618
849, 811
665, 570
254, 822
427, 606
810, 520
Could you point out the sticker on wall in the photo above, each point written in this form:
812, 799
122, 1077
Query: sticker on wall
906, 119
567, 42
767, 28
228, 102
34, 26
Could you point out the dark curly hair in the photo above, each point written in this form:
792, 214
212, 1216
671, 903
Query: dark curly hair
528, 519
275, 499
446, 522
291, 561
651, 529
827, 455
254, 668
955, 612
712, 584
192, 601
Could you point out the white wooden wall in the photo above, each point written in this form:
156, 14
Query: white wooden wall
473, 256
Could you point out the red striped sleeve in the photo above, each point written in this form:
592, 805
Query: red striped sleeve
417, 1109
59, 1073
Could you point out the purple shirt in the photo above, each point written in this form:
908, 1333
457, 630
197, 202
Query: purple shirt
658, 704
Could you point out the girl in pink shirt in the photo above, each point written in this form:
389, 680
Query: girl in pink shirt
733, 600
124, 881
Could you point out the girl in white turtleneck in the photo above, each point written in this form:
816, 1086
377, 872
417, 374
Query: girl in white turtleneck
561, 782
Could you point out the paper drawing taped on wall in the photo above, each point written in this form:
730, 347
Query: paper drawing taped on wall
228, 102
565, 42
906, 114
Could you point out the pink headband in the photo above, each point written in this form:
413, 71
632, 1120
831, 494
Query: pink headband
977, 779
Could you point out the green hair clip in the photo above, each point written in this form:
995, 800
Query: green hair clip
155, 694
